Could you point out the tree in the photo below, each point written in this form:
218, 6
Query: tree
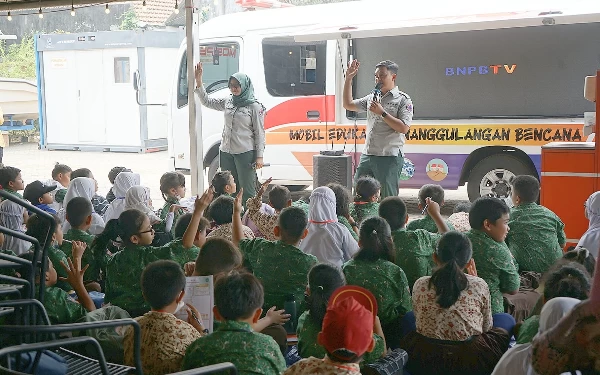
18, 59
128, 20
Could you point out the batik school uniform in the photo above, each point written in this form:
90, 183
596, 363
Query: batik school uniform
360, 211
125, 268
226, 231
460, 222
93, 272
426, 223
281, 268
251, 352
265, 223
414, 252
536, 237
495, 265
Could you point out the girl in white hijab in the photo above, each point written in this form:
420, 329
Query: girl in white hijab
82, 187
517, 360
11, 217
591, 238
123, 182
327, 239
138, 197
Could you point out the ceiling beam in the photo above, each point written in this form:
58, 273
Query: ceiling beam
35, 4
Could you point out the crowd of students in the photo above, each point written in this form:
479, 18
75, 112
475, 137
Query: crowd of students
364, 280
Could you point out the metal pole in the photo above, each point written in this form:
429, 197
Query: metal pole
192, 19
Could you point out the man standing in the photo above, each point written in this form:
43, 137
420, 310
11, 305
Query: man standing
388, 119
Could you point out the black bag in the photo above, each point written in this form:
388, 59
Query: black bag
161, 238
392, 364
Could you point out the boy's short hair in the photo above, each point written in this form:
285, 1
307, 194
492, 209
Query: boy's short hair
60, 168
292, 222
391, 66
115, 171
81, 172
393, 210
527, 188
183, 222
462, 207
78, 210
38, 227
217, 256
279, 196
433, 191
7, 175
567, 280
221, 209
238, 295
486, 208
162, 281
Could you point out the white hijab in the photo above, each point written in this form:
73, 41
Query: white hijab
123, 182
11, 217
327, 239
591, 238
86, 188
138, 197
517, 360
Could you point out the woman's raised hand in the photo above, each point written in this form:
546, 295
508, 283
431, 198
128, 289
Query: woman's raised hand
198, 74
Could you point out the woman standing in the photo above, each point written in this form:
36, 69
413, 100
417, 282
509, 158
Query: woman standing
243, 139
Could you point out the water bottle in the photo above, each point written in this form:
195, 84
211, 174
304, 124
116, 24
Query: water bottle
290, 308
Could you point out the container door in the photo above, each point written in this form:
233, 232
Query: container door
91, 93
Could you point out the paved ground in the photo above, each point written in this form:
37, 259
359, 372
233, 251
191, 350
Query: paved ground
37, 165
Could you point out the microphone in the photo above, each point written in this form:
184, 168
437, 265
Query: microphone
377, 92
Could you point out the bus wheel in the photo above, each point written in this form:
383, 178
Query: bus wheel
213, 168
492, 176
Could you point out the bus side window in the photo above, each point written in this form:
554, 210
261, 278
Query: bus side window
182, 83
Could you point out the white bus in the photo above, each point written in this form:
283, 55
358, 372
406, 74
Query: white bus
488, 88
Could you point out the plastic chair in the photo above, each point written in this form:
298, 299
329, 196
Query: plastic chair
212, 369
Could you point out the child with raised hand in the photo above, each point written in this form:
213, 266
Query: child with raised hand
221, 211
265, 217
373, 268
172, 188
182, 224
342, 208
126, 266
112, 174
436, 194
323, 280
414, 248
366, 198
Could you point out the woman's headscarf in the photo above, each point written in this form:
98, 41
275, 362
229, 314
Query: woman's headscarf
591, 238
11, 217
246, 96
327, 239
138, 197
123, 182
517, 360
86, 188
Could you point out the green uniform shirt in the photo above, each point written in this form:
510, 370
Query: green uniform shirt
495, 265
536, 237
163, 214
346, 223
303, 205
60, 195
93, 272
281, 268
251, 352
308, 346
529, 328
61, 307
414, 252
386, 281
361, 211
56, 256
125, 268
426, 223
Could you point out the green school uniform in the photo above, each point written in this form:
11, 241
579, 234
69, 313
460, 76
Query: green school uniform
61, 307
56, 256
303, 205
426, 223
251, 352
346, 223
414, 252
60, 195
125, 268
536, 237
386, 281
308, 346
160, 227
360, 211
495, 265
93, 272
281, 268
529, 328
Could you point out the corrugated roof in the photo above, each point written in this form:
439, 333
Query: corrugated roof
156, 12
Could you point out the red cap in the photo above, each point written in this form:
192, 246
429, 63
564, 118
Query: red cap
347, 331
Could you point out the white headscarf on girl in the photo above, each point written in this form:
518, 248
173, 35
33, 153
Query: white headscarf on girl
138, 197
11, 217
123, 182
327, 239
591, 238
86, 188
517, 360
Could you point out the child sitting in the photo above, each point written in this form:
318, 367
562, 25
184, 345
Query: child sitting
323, 280
342, 208
61, 177
125, 267
265, 222
489, 226
451, 330
164, 338
82, 187
591, 238
123, 182
182, 224
269, 260
373, 268
12, 215
537, 235
460, 217
112, 174
172, 188
366, 196
224, 184
99, 203
221, 211
327, 239
39, 195
436, 193
238, 302
414, 248
346, 334
138, 197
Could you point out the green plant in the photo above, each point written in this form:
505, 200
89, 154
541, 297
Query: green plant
18, 59
128, 20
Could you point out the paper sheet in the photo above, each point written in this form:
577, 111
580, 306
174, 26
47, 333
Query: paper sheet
199, 292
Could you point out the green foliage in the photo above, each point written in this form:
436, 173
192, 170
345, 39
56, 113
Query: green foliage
18, 59
128, 20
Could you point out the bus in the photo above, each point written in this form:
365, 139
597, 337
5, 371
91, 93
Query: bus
489, 88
